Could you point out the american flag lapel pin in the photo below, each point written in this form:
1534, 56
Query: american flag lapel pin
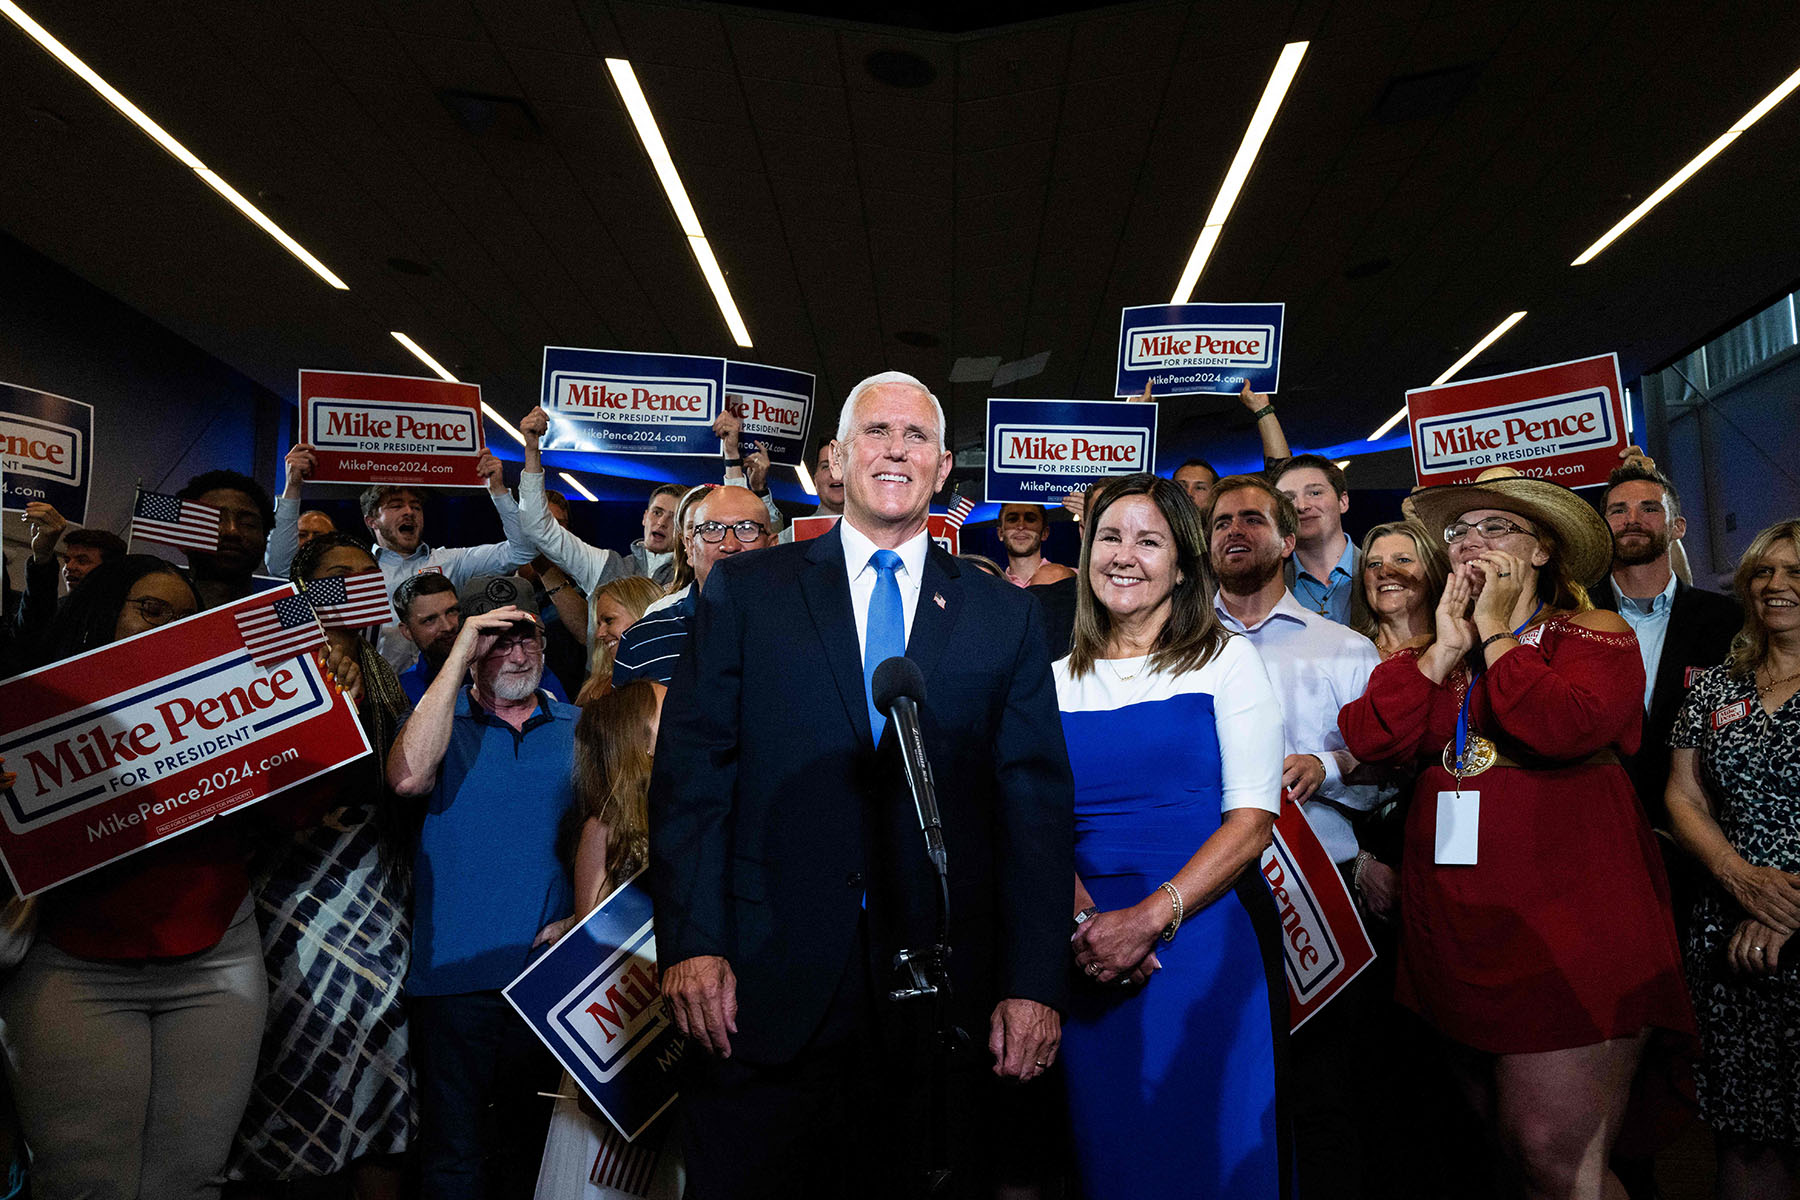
938, 599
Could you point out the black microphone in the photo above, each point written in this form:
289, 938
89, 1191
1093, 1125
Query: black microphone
898, 689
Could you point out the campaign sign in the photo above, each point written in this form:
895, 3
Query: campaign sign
1205, 349
138, 741
614, 402
775, 406
1323, 941
46, 451
1040, 450
393, 429
945, 532
595, 999
1564, 423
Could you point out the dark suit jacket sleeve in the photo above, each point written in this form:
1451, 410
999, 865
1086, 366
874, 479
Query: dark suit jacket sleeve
1035, 858
694, 782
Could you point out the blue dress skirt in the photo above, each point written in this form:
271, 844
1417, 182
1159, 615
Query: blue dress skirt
1172, 1086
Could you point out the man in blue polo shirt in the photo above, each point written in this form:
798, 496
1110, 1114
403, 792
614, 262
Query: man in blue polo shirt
494, 759
1322, 573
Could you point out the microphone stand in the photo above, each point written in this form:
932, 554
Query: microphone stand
924, 974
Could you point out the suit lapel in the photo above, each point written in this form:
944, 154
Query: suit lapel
825, 586
940, 599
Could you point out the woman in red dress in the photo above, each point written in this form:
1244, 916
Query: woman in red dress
1536, 929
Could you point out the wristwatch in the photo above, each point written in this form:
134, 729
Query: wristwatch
1084, 916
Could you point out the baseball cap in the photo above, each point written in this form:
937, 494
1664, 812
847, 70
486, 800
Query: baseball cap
484, 593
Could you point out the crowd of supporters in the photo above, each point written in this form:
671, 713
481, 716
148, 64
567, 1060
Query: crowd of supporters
307, 993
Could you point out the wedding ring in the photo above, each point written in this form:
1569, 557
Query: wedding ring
1093, 968
1505, 574
1757, 949
1042, 1063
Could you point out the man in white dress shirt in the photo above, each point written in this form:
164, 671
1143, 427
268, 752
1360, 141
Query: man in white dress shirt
1317, 666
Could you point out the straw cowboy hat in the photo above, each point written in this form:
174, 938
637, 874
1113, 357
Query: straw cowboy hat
1582, 538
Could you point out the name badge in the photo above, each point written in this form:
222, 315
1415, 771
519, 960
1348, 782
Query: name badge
1731, 712
1690, 675
1458, 826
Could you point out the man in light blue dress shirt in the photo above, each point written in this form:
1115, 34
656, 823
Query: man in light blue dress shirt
1316, 666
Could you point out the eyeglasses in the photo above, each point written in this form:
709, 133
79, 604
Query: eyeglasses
1490, 529
155, 611
744, 531
507, 645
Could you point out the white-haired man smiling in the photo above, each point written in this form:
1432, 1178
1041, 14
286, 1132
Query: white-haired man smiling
786, 866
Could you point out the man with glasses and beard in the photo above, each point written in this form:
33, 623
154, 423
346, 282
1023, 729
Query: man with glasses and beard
489, 751
1680, 629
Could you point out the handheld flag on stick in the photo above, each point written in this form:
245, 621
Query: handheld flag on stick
157, 517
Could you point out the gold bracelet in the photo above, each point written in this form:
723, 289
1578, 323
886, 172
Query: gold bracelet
1168, 933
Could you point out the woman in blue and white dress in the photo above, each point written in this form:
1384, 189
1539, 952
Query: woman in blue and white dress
1174, 734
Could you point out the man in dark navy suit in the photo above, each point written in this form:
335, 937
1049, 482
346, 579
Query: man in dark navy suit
1680, 629
786, 859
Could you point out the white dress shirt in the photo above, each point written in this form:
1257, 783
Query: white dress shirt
1317, 666
858, 550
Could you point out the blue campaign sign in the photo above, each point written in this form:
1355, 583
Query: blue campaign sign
595, 999
1204, 349
776, 407
46, 451
616, 402
1039, 450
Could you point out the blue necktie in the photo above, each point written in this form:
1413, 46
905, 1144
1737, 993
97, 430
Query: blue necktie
885, 637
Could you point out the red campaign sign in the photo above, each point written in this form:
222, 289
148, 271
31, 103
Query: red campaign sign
392, 429
1323, 941
1564, 423
943, 530
139, 741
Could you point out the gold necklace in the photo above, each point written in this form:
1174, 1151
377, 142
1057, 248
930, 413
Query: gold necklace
1122, 677
1763, 689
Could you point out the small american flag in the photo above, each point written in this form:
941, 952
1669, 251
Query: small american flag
959, 512
277, 631
623, 1166
174, 521
350, 601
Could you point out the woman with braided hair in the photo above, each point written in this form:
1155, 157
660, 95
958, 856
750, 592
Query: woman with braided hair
334, 1089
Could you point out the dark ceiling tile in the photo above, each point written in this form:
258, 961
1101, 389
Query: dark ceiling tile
1007, 120
892, 119
780, 106
778, 49
670, 36
540, 24
679, 93
1003, 169
1021, 60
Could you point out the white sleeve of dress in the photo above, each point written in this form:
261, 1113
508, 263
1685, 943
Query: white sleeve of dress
1248, 719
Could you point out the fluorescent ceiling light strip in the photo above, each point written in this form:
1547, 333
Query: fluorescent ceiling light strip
257, 217
1493, 336
1286, 67
1682, 176
492, 413
163, 138
576, 484
654, 146
715, 279
419, 353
